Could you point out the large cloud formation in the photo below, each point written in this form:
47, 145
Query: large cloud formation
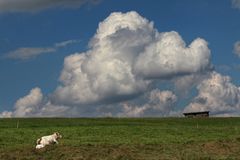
125, 55
37, 5
218, 95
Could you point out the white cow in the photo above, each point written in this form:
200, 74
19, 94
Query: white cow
47, 140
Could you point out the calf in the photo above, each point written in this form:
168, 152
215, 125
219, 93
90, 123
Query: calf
47, 140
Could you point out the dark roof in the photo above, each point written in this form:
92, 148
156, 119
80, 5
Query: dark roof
195, 113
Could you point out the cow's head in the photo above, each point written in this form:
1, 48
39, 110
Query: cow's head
57, 135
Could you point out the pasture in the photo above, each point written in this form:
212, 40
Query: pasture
121, 138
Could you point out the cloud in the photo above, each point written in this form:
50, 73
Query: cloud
38, 5
66, 43
236, 48
34, 105
28, 104
125, 55
6, 114
236, 67
26, 53
50, 110
184, 84
218, 95
236, 4
169, 56
223, 67
159, 103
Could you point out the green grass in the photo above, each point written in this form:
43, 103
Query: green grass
122, 138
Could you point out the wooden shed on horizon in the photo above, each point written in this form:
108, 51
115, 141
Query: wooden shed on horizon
196, 114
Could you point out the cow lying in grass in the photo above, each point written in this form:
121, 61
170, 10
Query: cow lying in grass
47, 140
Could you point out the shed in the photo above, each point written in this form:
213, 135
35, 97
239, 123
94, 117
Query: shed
196, 114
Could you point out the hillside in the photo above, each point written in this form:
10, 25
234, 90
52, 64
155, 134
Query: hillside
122, 138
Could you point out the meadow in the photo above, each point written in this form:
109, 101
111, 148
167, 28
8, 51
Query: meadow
121, 138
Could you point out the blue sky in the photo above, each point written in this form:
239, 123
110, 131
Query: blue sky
27, 27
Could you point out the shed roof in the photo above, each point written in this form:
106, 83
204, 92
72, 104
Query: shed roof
196, 113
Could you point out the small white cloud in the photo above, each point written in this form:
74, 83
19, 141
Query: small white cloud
236, 48
38, 5
133, 111
66, 43
236, 4
218, 95
26, 53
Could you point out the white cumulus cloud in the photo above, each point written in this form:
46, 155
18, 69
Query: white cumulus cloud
218, 95
125, 55
168, 56
28, 104
6, 114
34, 105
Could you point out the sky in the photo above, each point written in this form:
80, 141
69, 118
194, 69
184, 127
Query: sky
128, 58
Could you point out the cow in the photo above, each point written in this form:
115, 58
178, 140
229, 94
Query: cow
48, 140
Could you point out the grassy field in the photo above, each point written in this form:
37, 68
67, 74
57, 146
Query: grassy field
122, 138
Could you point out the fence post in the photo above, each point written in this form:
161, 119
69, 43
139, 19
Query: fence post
17, 124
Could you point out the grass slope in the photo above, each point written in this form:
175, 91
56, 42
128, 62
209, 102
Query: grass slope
122, 138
